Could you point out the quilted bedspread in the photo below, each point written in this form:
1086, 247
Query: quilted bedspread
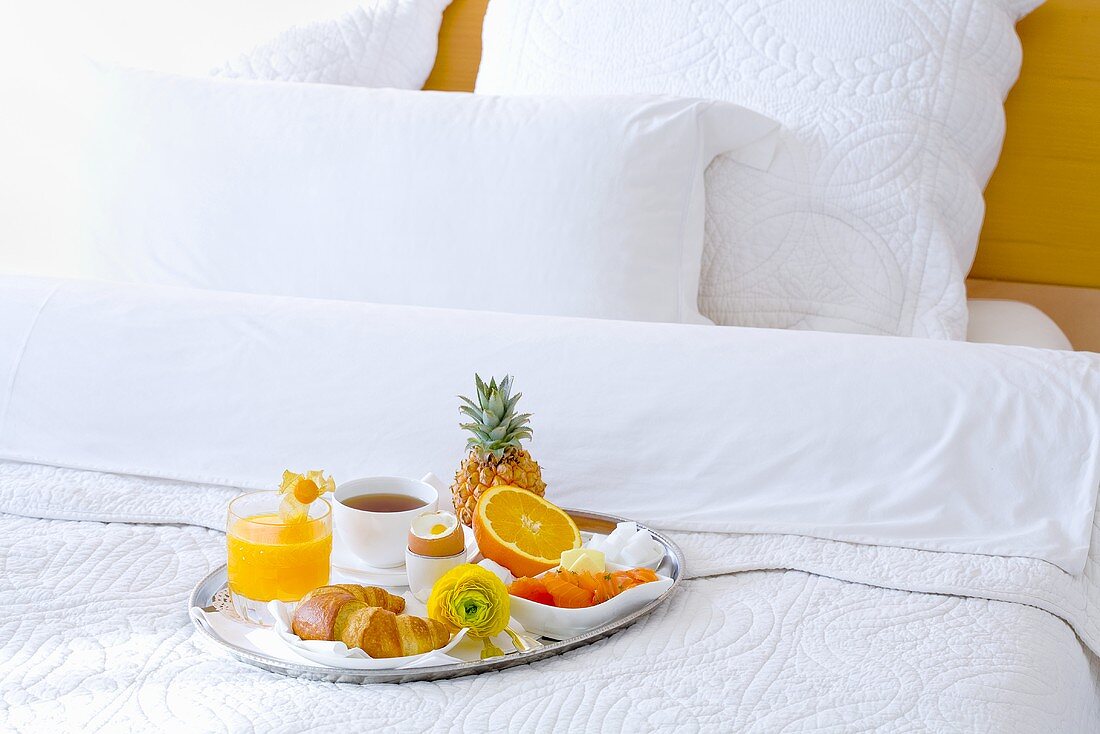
811, 635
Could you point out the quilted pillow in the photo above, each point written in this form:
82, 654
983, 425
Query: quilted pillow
377, 43
371, 43
870, 219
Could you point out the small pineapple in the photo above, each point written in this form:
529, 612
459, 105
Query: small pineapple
496, 456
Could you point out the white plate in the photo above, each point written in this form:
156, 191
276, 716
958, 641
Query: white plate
339, 655
461, 648
562, 624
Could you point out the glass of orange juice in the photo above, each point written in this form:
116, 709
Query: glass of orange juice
270, 558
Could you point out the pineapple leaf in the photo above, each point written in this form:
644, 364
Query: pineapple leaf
476, 430
495, 426
496, 403
507, 417
472, 412
488, 420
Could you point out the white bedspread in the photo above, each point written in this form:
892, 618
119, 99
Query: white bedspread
94, 636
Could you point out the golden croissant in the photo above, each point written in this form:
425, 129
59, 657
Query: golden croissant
372, 595
365, 617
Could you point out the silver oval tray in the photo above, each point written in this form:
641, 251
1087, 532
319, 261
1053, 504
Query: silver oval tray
215, 583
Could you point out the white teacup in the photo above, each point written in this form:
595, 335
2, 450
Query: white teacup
380, 538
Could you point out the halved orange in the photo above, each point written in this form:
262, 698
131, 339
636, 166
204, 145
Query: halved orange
522, 531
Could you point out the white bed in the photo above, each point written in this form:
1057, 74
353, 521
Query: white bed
881, 533
773, 631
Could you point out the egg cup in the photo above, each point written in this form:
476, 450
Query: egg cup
424, 571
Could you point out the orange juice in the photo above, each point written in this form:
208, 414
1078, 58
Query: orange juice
269, 559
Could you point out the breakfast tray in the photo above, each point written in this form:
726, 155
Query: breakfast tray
211, 591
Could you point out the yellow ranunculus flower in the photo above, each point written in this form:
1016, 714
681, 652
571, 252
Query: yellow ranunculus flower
472, 597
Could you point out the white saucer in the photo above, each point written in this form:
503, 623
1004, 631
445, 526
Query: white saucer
347, 564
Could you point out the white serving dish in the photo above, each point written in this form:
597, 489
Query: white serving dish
339, 655
558, 623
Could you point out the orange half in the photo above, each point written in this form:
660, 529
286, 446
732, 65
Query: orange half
521, 531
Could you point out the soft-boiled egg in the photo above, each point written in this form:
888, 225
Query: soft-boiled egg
436, 535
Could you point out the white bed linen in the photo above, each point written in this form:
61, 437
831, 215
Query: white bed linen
918, 443
94, 635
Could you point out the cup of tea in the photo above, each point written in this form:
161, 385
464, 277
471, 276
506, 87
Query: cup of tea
373, 515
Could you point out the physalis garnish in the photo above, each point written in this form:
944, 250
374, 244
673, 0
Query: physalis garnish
299, 491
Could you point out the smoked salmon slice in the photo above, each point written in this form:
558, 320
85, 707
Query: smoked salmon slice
566, 594
573, 590
531, 589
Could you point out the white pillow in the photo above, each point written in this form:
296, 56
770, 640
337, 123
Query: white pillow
911, 442
895, 111
376, 43
583, 206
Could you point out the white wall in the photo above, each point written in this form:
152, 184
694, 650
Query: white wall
43, 47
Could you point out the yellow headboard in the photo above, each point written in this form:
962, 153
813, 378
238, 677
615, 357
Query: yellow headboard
1043, 204
1042, 221
459, 47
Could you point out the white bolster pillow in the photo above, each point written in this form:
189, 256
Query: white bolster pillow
925, 444
565, 206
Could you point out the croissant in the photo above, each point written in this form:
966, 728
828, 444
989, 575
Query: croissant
364, 617
372, 595
316, 614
